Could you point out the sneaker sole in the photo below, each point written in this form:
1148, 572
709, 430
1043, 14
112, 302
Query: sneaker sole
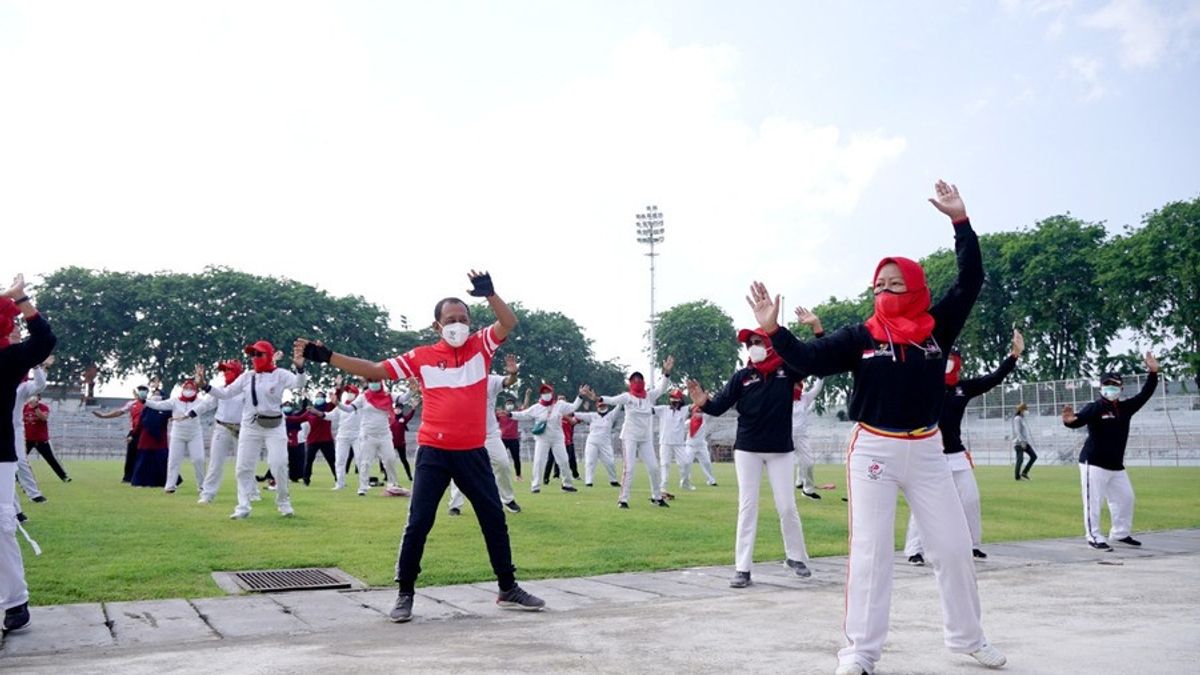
518, 606
405, 619
18, 629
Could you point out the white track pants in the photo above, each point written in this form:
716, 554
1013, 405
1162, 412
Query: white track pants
635, 450
778, 467
1099, 485
804, 463
877, 467
190, 444
13, 591
224, 445
369, 448
252, 440
603, 451
699, 452
341, 455
501, 468
25, 474
968, 493
666, 453
542, 447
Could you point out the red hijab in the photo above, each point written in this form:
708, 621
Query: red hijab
232, 369
769, 364
381, 399
902, 317
8, 312
266, 362
188, 383
544, 389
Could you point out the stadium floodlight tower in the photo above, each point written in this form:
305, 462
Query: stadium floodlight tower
650, 231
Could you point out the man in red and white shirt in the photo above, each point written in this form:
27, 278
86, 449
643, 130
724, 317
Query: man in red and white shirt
454, 388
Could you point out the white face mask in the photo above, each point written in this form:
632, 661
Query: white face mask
456, 334
374, 386
509, 407
188, 393
758, 353
347, 398
1110, 392
546, 397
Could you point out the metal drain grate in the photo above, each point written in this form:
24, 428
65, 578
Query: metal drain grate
269, 581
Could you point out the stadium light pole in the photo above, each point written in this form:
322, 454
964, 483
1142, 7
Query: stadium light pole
650, 231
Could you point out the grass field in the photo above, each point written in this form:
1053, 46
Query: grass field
108, 541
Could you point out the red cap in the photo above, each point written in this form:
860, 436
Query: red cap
745, 333
261, 346
676, 394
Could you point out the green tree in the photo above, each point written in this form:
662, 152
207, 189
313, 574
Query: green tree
834, 314
701, 337
1150, 278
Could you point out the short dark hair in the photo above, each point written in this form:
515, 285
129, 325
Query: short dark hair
437, 309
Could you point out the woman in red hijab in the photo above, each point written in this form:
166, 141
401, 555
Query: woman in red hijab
898, 360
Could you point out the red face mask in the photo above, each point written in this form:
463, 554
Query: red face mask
262, 356
902, 317
638, 388
953, 369
232, 370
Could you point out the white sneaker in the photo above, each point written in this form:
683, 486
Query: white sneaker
286, 511
989, 656
256, 497
204, 500
239, 515
338, 486
362, 492
850, 669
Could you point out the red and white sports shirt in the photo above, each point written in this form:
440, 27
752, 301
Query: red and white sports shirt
454, 388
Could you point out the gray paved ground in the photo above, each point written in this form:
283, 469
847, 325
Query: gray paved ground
1052, 606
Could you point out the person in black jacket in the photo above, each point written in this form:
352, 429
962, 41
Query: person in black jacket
15, 361
1102, 459
959, 392
762, 392
898, 361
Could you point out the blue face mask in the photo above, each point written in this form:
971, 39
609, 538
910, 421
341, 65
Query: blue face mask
374, 386
1110, 392
318, 402
287, 409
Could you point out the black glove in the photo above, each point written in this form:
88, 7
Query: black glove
482, 286
318, 353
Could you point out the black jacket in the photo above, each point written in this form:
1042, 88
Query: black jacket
764, 406
1108, 427
956, 401
896, 387
15, 362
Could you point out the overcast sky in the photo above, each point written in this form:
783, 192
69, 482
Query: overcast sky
384, 148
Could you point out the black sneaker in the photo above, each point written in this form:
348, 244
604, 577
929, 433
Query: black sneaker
740, 580
38, 499
68, 480
402, 610
798, 567
622, 505
614, 483
661, 502
16, 618
1099, 546
810, 495
546, 481
569, 488
513, 507
978, 555
587, 485
21, 517
518, 598
917, 560
455, 512
1130, 541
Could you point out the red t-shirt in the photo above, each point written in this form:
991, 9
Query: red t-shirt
453, 389
36, 429
319, 428
510, 429
568, 432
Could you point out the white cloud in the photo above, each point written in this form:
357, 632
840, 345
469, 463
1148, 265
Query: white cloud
1143, 30
1086, 71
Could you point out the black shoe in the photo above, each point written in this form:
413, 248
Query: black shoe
587, 485
798, 568
1130, 541
917, 560
402, 610
16, 618
307, 482
518, 598
740, 580
455, 512
21, 517
546, 481
373, 481
979, 555
1099, 546
614, 483
68, 480
810, 495
1025, 476
513, 507
38, 499
574, 476
661, 502
569, 488
622, 505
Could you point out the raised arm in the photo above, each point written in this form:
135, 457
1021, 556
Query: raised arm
665, 383
724, 400
810, 394
41, 341
1073, 420
838, 352
230, 390
979, 385
950, 313
481, 287
165, 405
1135, 403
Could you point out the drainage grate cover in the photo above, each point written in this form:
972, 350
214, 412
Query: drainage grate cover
269, 581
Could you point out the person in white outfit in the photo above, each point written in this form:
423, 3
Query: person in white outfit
345, 435
262, 422
186, 437
637, 432
697, 447
599, 443
227, 424
27, 388
498, 455
374, 410
673, 421
548, 438
803, 401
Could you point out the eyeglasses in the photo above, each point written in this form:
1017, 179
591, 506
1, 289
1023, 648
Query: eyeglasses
257, 354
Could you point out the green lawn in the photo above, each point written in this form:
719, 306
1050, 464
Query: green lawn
107, 541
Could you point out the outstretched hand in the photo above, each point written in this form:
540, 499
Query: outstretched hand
481, 284
668, 365
809, 318
1068, 414
696, 393
17, 289
766, 310
1151, 362
313, 350
510, 364
948, 201
1018, 344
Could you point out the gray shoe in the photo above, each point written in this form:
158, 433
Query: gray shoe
798, 567
518, 598
740, 580
402, 610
